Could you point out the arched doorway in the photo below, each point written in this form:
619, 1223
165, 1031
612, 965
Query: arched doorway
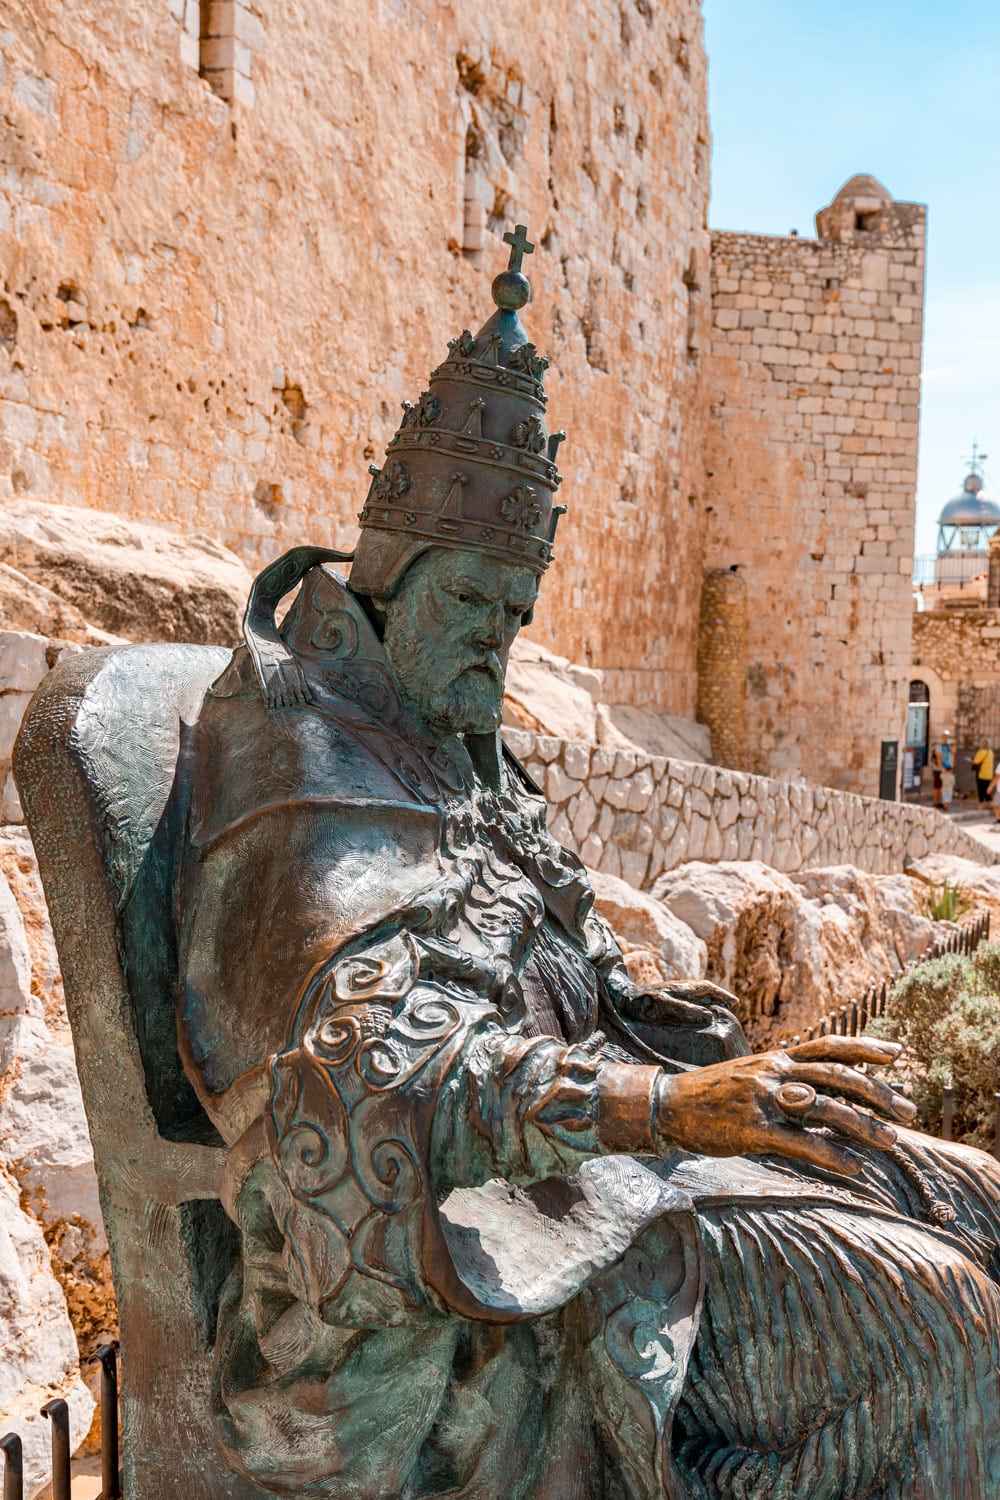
918, 717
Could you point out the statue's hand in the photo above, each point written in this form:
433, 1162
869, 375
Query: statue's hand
749, 1106
691, 1022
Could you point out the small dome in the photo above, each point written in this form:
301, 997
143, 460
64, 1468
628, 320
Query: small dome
863, 186
970, 508
860, 206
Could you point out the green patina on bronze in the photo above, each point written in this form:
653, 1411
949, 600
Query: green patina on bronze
495, 1223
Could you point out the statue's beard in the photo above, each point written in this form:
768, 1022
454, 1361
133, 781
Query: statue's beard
460, 695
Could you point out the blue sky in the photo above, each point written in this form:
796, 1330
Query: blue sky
804, 94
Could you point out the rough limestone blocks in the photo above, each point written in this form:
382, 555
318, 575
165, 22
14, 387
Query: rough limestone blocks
553, 696
25, 658
636, 816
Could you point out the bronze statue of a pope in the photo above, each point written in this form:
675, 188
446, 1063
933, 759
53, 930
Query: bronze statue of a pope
512, 1228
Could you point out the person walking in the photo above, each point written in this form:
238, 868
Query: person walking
983, 765
947, 772
937, 766
991, 796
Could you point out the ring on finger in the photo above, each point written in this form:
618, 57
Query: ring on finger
796, 1100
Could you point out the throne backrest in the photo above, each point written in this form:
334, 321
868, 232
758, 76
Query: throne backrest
100, 767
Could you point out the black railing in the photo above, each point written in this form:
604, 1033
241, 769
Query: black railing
962, 571
57, 1412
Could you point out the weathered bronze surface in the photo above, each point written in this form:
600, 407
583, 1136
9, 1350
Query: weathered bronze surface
496, 1224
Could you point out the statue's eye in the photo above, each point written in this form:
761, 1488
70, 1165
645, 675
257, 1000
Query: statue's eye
462, 598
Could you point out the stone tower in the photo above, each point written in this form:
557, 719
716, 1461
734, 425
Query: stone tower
722, 665
811, 460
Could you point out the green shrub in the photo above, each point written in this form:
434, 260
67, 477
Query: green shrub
946, 1013
947, 902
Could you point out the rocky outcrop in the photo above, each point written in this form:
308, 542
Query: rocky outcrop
38, 1351
50, 1222
657, 945
130, 578
44, 1139
551, 695
794, 948
978, 883
25, 658
29, 606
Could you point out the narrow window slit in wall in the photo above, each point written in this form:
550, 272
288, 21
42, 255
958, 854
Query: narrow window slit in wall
495, 123
475, 181
693, 308
225, 61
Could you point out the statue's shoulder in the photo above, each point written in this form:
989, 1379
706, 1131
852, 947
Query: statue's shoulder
343, 746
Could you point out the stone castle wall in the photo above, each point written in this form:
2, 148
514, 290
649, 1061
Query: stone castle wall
956, 644
216, 290
956, 652
637, 816
812, 451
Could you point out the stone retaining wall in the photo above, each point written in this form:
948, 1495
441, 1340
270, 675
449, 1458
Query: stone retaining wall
637, 815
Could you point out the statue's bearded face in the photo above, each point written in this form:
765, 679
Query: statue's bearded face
448, 633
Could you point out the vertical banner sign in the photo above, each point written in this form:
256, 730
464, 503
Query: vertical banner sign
889, 773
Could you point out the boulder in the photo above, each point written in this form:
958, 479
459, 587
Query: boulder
25, 658
44, 1139
980, 883
551, 695
883, 908
29, 606
131, 578
657, 945
658, 733
792, 948
38, 1351
548, 694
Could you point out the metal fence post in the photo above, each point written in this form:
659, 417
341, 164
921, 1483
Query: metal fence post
58, 1414
13, 1468
947, 1112
107, 1358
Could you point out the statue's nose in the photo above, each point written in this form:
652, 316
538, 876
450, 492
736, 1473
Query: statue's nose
489, 633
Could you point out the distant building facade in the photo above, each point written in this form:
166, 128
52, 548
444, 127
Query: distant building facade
956, 632
955, 576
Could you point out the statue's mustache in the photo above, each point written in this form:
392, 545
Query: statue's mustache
484, 661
